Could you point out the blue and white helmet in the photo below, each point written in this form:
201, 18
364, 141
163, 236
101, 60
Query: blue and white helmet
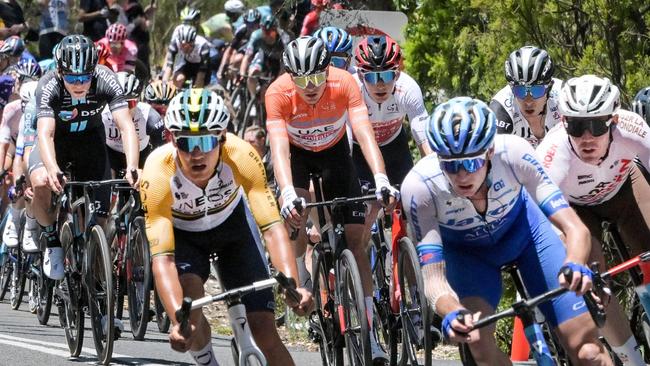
336, 39
461, 127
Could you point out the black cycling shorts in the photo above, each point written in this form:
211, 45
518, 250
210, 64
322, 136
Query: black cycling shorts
118, 159
87, 158
240, 257
339, 176
397, 159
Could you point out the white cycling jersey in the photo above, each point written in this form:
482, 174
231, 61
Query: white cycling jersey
387, 117
511, 121
586, 184
198, 54
435, 212
9, 127
145, 119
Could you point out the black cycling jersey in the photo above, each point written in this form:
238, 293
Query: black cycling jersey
78, 116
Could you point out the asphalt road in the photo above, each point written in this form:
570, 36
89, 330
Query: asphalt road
23, 342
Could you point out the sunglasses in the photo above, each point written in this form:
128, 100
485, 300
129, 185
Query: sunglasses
536, 91
77, 78
471, 165
316, 80
340, 62
375, 77
205, 143
576, 127
132, 103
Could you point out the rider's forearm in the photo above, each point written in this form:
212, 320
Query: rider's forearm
124, 123
281, 163
226, 59
578, 238
366, 139
243, 68
167, 73
168, 285
46, 149
281, 252
441, 296
4, 147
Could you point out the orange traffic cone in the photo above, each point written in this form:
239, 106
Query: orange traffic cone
520, 348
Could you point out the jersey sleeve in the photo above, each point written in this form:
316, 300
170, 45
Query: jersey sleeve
357, 109
276, 103
156, 196
250, 173
155, 128
531, 174
20, 140
109, 88
47, 95
172, 50
417, 113
504, 121
420, 209
5, 128
636, 134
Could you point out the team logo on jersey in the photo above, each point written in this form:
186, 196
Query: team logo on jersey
68, 115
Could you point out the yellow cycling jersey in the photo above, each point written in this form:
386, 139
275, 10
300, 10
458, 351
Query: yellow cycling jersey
171, 200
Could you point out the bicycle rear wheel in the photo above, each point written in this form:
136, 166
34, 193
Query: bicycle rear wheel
357, 336
18, 280
324, 327
43, 294
99, 284
239, 101
414, 314
138, 264
382, 316
70, 293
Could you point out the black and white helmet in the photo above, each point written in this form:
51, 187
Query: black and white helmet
589, 96
306, 55
130, 84
529, 65
186, 33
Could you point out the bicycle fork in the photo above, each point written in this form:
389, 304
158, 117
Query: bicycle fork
243, 337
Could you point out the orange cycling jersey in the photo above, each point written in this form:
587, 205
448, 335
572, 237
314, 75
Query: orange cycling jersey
171, 200
314, 127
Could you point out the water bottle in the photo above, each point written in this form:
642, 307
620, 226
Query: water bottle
643, 290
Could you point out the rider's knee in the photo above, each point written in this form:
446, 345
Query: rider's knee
39, 182
591, 354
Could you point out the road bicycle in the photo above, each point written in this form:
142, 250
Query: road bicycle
88, 269
340, 317
244, 349
131, 260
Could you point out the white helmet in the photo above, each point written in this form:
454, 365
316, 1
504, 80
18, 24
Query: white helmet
234, 6
197, 111
27, 91
589, 96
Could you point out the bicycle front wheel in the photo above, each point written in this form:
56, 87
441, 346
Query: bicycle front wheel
43, 294
138, 264
18, 280
6, 272
99, 284
357, 336
69, 291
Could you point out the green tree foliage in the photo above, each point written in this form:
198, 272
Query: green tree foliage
458, 47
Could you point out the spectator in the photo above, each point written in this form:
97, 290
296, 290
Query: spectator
312, 20
12, 19
53, 25
138, 28
94, 14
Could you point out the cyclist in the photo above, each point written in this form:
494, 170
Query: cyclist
591, 158
122, 52
264, 52
339, 44
14, 46
528, 105
149, 126
195, 194
191, 16
220, 26
307, 110
158, 95
483, 201
9, 131
69, 103
194, 52
235, 51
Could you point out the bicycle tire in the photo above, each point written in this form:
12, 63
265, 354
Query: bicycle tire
357, 332
162, 320
239, 100
408, 261
18, 281
138, 261
326, 324
44, 295
71, 313
383, 318
248, 118
6, 273
99, 287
